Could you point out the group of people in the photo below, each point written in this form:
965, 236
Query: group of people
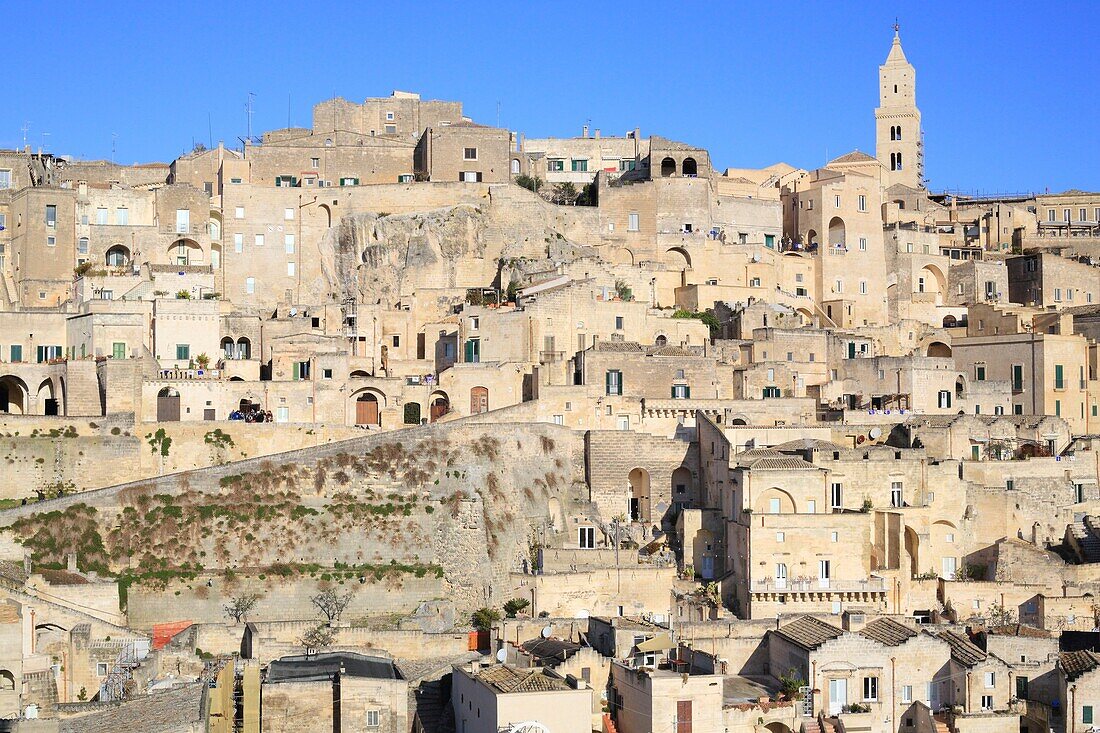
251, 413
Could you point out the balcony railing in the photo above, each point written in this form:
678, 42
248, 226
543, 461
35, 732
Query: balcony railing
548, 357
817, 585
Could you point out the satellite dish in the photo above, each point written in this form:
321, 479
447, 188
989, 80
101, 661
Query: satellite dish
547, 631
875, 433
502, 655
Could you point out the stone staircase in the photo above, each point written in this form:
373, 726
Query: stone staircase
1085, 538
939, 723
810, 725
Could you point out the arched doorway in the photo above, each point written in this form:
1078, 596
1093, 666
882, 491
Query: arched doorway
811, 238
931, 280
678, 257
46, 398
185, 252
439, 406
228, 350
639, 495
661, 340
668, 167
683, 487
836, 232
412, 413
479, 400
13, 395
950, 321
328, 215
118, 256
244, 348
367, 409
912, 547
216, 256
168, 405
622, 256
690, 167
938, 348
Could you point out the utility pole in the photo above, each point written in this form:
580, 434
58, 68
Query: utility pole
248, 109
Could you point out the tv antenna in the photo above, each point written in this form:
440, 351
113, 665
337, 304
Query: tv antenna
25, 128
248, 109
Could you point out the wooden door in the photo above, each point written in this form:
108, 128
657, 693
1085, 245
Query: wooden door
479, 400
366, 412
168, 409
438, 409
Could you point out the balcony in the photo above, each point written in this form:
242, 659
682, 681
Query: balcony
550, 357
814, 589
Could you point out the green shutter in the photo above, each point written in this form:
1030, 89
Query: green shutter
687, 392
468, 351
16, 353
607, 383
1058, 376
674, 391
118, 350
41, 353
297, 371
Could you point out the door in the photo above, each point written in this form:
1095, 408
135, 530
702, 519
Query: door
781, 575
438, 408
950, 565
708, 567
183, 221
282, 414
838, 696
479, 400
366, 412
823, 573
168, 408
208, 413
683, 716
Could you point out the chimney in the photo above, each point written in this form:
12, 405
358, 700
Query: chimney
584, 131
597, 133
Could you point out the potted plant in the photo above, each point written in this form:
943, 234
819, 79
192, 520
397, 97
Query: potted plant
202, 360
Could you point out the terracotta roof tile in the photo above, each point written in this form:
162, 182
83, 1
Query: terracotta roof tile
887, 631
808, 632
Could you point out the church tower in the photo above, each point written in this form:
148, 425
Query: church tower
898, 143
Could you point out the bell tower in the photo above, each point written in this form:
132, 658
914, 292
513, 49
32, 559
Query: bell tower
898, 141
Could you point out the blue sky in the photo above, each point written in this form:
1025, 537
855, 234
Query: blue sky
1005, 89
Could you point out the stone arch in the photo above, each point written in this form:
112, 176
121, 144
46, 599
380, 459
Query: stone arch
689, 167
950, 321
7, 680
328, 215
439, 404
683, 485
117, 256
807, 316
661, 340
777, 727
678, 257
229, 350
739, 420
639, 495
14, 395
185, 252
368, 406
358, 374
811, 238
168, 405
244, 348
912, 548
622, 256
900, 203
938, 348
765, 503
837, 232
960, 386
931, 279
479, 400
515, 166
47, 399
668, 167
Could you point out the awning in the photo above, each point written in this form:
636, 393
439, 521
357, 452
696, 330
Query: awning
659, 643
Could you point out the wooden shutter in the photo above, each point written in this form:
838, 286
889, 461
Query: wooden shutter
683, 716
479, 176
297, 373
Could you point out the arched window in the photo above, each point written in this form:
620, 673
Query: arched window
898, 128
515, 166
244, 348
668, 167
690, 167
118, 256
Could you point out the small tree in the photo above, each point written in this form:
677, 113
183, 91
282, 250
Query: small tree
512, 291
564, 193
590, 195
183, 295
790, 683
515, 605
623, 291
484, 618
319, 637
239, 606
332, 604
531, 183
1001, 616
202, 360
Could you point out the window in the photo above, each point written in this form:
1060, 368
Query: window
839, 286
907, 693
469, 153
559, 419
780, 536
259, 240
836, 496
586, 538
1018, 377
987, 702
122, 216
555, 165
51, 215
863, 244
288, 243
870, 688
614, 382
470, 176
863, 287
183, 352
990, 680
1057, 295
1086, 714
579, 166
82, 246
288, 214
836, 201
681, 391
118, 350
250, 285
862, 202
391, 129
238, 213
632, 222
373, 718
301, 370
314, 162
1065, 214
51, 241
774, 506
1059, 377
895, 494
236, 181
290, 269
238, 243
16, 353
979, 372
101, 669
5, 178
